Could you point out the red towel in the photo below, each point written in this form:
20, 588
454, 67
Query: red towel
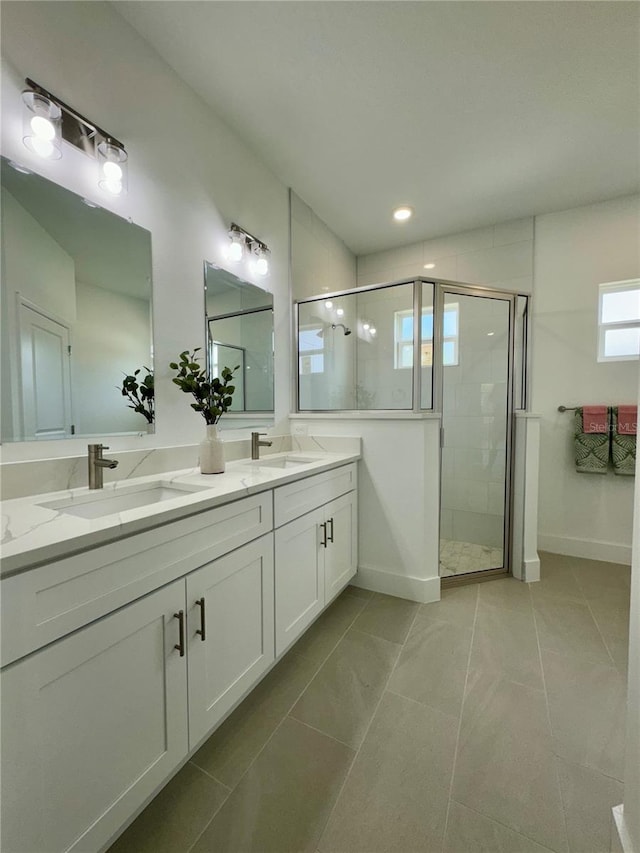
595, 419
627, 420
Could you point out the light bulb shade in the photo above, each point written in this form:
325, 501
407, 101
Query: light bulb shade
236, 249
41, 125
262, 260
112, 168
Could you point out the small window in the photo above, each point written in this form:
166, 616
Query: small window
404, 337
619, 321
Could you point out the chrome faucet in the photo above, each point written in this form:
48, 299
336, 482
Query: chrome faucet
97, 463
256, 444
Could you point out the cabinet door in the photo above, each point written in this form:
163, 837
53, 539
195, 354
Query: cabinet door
91, 726
230, 632
299, 577
341, 554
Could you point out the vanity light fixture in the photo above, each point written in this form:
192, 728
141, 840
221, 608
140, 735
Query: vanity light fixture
242, 241
340, 312
328, 304
112, 166
372, 331
262, 259
402, 213
42, 125
48, 121
366, 327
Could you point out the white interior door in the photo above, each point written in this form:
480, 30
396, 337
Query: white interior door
46, 375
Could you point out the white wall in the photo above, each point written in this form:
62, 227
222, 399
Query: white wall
320, 261
575, 250
189, 177
110, 339
499, 256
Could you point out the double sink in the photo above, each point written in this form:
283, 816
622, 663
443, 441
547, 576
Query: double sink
99, 505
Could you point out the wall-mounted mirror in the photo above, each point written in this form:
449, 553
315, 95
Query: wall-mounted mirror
239, 319
75, 312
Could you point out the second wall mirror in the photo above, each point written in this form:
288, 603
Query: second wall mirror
239, 318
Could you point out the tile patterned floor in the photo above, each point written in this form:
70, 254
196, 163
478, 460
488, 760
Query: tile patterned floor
489, 722
460, 558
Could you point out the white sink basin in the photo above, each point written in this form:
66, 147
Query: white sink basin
281, 462
97, 505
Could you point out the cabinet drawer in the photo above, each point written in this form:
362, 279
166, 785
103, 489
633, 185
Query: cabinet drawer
296, 499
43, 604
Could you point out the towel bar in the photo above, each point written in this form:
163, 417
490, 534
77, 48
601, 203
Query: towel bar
567, 408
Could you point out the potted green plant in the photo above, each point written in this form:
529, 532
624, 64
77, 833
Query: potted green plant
214, 396
140, 393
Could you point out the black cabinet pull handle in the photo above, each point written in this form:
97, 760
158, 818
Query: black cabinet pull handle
180, 645
202, 629
323, 541
330, 537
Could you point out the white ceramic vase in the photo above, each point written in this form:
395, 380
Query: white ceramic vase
212, 452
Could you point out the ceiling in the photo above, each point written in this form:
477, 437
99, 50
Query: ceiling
471, 112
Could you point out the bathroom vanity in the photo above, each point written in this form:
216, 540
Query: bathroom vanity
128, 636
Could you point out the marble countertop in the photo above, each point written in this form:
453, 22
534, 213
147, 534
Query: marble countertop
33, 534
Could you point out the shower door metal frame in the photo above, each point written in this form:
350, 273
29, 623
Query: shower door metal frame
440, 289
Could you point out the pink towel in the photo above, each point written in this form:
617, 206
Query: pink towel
627, 420
595, 419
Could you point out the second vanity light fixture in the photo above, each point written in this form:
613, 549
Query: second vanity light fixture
47, 121
243, 243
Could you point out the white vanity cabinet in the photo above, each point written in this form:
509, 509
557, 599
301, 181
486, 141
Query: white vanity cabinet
91, 726
230, 632
119, 660
316, 554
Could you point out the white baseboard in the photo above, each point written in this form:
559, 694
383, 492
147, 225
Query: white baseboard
531, 570
620, 839
423, 590
590, 549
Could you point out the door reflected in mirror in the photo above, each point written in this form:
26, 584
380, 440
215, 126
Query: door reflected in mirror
76, 314
239, 317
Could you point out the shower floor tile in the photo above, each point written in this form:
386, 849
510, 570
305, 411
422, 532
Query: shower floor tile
460, 558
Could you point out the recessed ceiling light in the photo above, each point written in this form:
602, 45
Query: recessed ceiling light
328, 304
402, 213
340, 312
490, 334
429, 266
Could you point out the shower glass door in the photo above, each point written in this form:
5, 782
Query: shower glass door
476, 420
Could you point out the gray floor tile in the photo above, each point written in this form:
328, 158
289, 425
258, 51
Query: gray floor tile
176, 817
358, 592
231, 748
432, 667
282, 803
388, 617
568, 628
587, 705
588, 798
396, 795
457, 605
343, 696
321, 638
505, 767
507, 594
506, 641
612, 618
557, 579
470, 832
600, 580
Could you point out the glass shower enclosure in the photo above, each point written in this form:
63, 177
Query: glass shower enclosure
422, 346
